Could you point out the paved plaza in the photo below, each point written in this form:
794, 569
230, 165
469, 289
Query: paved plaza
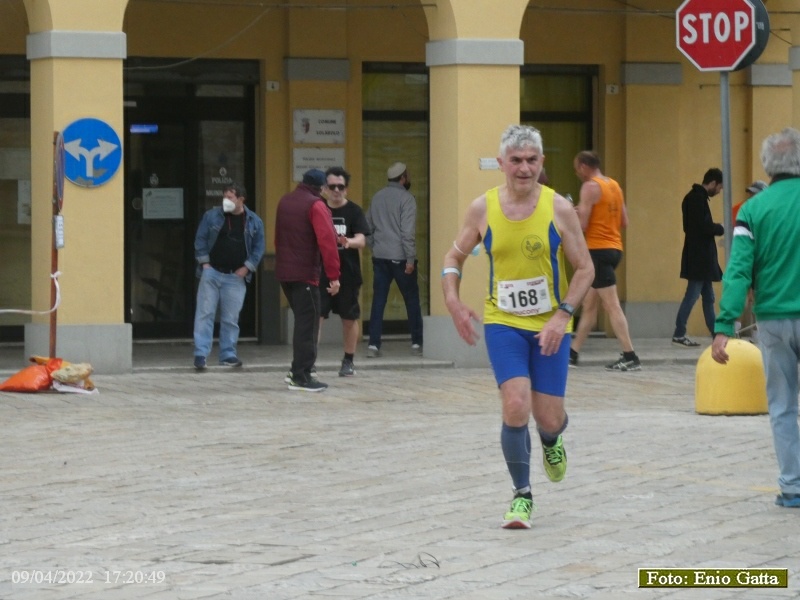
225, 485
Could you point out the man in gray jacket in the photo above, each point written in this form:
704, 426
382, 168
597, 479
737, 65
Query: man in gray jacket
392, 220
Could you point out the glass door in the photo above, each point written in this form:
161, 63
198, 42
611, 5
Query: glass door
159, 228
184, 144
396, 128
224, 155
15, 208
559, 102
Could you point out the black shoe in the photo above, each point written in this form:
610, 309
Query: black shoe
307, 384
685, 342
573, 358
200, 363
312, 374
231, 362
348, 368
625, 365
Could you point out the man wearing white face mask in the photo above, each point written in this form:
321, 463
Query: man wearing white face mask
228, 247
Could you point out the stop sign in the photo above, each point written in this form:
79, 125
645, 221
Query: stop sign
715, 35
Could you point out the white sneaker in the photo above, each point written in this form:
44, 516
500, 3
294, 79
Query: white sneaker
373, 352
416, 350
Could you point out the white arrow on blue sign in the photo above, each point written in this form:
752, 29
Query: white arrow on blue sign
93, 152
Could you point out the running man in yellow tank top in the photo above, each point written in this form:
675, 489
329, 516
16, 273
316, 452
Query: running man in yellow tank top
603, 215
528, 232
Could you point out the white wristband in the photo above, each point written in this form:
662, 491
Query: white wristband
453, 270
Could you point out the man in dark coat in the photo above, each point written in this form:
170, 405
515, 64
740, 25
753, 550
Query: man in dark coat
699, 262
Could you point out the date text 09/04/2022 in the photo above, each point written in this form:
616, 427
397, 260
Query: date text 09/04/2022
68, 576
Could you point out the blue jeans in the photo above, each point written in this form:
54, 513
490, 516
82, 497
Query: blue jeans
384, 271
780, 346
694, 288
226, 291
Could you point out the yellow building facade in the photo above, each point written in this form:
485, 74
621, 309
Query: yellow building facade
202, 93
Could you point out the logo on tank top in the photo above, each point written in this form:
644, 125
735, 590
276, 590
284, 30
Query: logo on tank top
532, 247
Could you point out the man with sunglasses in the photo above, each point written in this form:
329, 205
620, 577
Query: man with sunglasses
351, 229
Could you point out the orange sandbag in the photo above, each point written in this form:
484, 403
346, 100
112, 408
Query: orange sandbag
31, 379
52, 364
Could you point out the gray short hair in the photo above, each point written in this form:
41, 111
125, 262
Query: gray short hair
780, 152
520, 136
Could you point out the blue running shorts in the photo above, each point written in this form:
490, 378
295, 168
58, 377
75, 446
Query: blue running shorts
516, 353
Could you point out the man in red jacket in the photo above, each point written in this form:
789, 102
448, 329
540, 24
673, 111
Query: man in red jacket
305, 241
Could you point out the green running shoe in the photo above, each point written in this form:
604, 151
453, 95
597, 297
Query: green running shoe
554, 459
519, 515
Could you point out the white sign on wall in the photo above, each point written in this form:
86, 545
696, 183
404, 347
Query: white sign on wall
318, 126
304, 159
162, 203
23, 202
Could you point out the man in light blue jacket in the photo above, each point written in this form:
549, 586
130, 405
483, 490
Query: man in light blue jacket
228, 247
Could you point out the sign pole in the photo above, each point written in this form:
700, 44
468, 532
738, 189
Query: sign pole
725, 106
54, 251
724, 36
57, 231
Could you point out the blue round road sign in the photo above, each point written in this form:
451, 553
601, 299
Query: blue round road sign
93, 152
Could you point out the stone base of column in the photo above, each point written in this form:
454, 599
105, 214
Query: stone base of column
652, 319
442, 342
108, 348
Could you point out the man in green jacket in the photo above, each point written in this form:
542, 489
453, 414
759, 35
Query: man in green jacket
766, 256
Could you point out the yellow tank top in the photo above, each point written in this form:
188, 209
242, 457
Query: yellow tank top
605, 223
527, 280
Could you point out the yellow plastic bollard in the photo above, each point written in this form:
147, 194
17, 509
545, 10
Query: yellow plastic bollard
737, 388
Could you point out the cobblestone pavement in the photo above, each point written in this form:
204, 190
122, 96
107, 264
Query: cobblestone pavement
388, 485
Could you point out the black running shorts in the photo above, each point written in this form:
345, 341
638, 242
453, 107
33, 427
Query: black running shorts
605, 261
345, 303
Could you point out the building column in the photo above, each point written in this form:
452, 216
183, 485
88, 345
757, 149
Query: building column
769, 112
474, 57
76, 51
656, 86
794, 67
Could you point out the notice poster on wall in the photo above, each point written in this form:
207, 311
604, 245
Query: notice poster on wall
304, 159
318, 126
162, 203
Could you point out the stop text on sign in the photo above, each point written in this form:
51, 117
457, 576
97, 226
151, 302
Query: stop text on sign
699, 27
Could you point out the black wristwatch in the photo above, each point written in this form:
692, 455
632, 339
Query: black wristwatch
567, 308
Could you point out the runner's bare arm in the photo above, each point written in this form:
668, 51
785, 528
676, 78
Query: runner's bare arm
577, 254
469, 236
589, 196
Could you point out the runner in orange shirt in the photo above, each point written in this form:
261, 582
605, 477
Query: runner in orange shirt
602, 214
